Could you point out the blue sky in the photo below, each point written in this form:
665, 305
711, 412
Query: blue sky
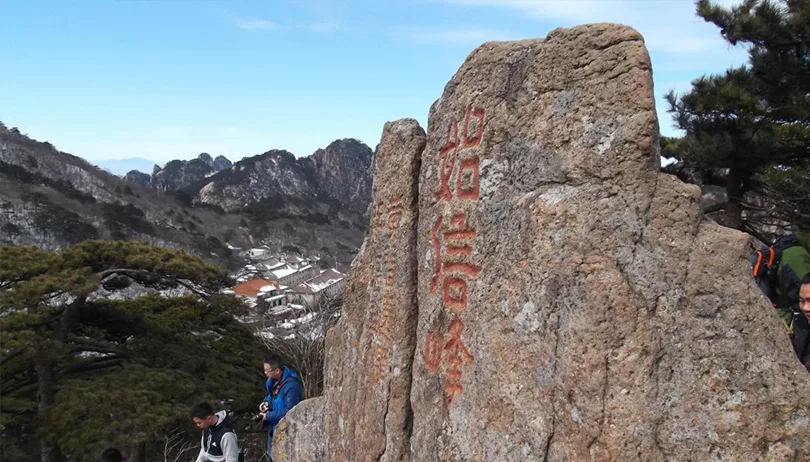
168, 79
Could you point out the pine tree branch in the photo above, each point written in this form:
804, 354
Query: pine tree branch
81, 347
715, 208
13, 355
7, 284
750, 230
191, 287
92, 365
147, 277
130, 272
18, 411
30, 381
35, 325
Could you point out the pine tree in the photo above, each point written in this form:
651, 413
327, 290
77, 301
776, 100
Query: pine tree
753, 120
78, 371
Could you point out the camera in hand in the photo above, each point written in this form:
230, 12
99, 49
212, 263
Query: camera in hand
263, 407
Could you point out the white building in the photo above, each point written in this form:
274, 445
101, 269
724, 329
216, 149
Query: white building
257, 253
328, 283
291, 274
271, 296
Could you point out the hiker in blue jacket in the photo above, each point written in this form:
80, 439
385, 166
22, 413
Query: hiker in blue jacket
283, 392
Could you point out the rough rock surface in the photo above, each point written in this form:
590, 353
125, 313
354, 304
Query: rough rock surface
338, 176
342, 171
573, 302
178, 174
303, 423
371, 349
369, 352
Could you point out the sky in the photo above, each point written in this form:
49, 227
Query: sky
169, 79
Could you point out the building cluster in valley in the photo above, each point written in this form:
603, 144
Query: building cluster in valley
284, 288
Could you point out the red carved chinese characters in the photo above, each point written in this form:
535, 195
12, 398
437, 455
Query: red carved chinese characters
433, 350
473, 140
455, 264
467, 178
453, 244
457, 355
380, 323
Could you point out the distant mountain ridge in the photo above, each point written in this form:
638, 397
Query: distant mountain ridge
120, 167
339, 175
52, 199
178, 174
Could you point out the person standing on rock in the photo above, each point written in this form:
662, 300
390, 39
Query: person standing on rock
283, 392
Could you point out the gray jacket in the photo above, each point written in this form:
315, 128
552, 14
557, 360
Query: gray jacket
218, 443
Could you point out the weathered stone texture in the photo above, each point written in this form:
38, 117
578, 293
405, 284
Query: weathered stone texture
300, 434
572, 302
370, 352
596, 317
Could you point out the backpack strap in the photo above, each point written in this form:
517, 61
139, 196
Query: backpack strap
788, 327
763, 258
277, 388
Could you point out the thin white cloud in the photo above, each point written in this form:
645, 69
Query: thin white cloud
669, 26
255, 24
464, 36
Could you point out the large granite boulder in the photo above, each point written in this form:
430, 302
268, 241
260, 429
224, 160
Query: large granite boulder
572, 303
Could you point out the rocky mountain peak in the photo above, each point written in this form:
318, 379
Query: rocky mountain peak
139, 178
178, 174
221, 163
205, 157
342, 170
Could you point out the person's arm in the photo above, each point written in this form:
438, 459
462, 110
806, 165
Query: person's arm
230, 447
200, 457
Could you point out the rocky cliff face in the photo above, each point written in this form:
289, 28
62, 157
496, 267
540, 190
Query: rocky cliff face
342, 172
253, 179
562, 299
51, 199
139, 178
178, 174
336, 178
220, 163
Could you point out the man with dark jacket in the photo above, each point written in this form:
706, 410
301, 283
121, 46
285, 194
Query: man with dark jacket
794, 266
793, 276
218, 442
283, 392
801, 324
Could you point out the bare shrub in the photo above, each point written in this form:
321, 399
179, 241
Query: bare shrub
302, 346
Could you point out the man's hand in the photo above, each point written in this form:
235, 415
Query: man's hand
264, 415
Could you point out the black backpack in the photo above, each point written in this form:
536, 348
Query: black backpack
765, 264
